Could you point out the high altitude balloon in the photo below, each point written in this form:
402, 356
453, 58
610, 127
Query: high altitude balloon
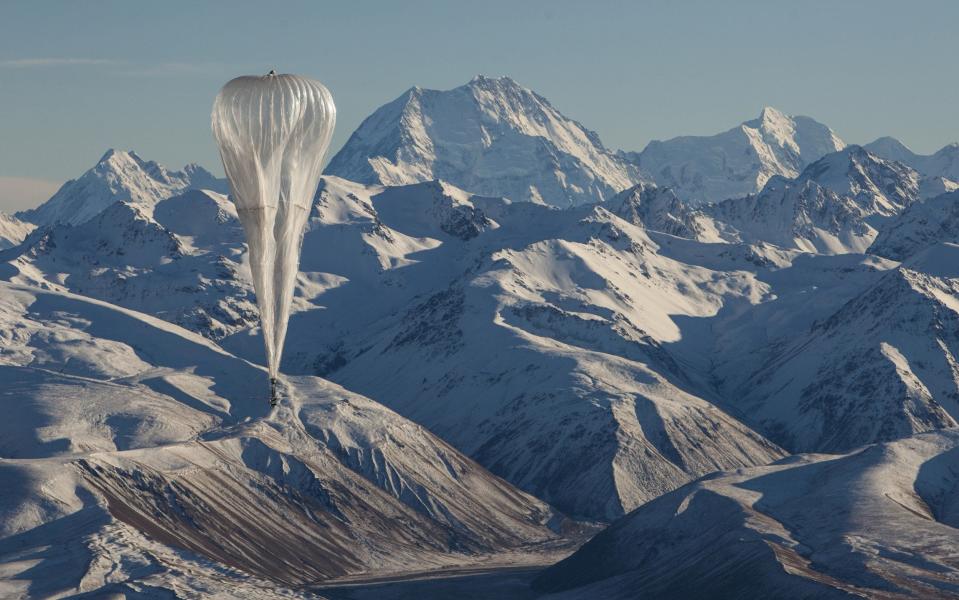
273, 132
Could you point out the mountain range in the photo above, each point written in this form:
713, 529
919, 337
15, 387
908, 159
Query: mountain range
504, 337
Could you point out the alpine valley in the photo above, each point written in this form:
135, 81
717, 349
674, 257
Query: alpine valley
519, 362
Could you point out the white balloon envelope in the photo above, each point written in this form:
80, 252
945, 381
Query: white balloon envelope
273, 132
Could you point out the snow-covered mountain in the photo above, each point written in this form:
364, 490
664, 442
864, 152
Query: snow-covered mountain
703, 169
944, 163
12, 230
377, 259
921, 225
659, 209
881, 367
491, 136
428, 299
537, 335
834, 206
181, 259
118, 176
881, 187
877, 523
139, 456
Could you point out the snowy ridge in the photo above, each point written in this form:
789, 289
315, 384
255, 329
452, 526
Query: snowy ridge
878, 523
659, 209
104, 448
923, 224
118, 176
880, 368
491, 136
576, 301
943, 163
704, 169
12, 230
183, 263
798, 214
832, 207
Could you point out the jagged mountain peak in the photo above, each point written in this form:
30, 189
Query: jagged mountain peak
501, 83
490, 136
834, 206
118, 176
119, 162
883, 187
769, 114
660, 209
774, 123
484, 79
737, 162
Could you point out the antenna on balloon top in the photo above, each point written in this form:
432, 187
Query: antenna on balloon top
272, 73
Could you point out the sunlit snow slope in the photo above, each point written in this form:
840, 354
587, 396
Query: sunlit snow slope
136, 455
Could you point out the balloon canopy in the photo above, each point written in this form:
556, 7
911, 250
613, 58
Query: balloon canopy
273, 132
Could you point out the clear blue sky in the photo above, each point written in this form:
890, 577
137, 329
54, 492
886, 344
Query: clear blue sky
79, 77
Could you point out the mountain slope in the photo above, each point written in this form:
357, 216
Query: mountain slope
881, 187
523, 335
878, 523
703, 169
118, 176
143, 459
659, 209
834, 206
12, 231
882, 367
922, 225
181, 260
943, 163
491, 136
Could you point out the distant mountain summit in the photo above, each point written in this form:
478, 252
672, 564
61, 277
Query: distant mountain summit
118, 176
944, 163
495, 137
832, 207
491, 136
879, 186
703, 169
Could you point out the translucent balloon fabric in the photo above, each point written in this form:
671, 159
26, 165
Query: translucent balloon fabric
273, 132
